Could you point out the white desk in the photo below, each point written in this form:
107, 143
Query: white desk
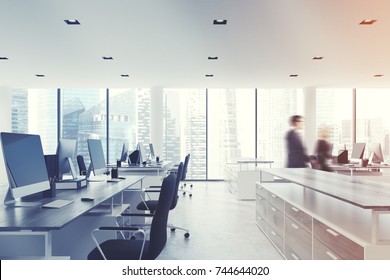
312, 214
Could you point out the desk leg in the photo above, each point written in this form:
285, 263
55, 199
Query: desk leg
375, 227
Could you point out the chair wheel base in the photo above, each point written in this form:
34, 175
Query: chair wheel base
186, 235
173, 229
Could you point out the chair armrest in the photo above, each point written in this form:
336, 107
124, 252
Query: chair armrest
137, 229
136, 215
152, 191
120, 228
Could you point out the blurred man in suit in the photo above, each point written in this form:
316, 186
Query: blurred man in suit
297, 156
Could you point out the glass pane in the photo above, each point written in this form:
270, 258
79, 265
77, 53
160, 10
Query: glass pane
34, 111
372, 121
334, 110
274, 108
185, 129
83, 117
231, 128
129, 119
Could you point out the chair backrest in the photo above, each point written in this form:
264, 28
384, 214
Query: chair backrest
158, 230
81, 164
178, 179
185, 167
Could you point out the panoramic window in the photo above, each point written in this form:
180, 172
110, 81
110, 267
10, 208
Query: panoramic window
231, 128
185, 129
83, 116
34, 111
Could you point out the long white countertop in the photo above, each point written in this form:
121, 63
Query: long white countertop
361, 192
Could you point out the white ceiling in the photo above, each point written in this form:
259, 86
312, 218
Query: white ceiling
167, 43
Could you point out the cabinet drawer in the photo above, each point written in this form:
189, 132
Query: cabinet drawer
304, 220
261, 206
276, 238
275, 219
260, 221
321, 252
276, 201
260, 191
290, 254
298, 239
338, 243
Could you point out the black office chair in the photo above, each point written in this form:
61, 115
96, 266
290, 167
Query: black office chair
133, 249
151, 205
81, 164
184, 175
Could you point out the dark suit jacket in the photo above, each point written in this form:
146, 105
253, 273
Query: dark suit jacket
297, 156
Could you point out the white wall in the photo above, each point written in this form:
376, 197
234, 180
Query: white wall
5, 125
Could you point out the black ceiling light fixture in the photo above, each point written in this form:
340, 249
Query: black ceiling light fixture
72, 22
220, 21
108, 58
3, 58
368, 22
40, 75
212, 58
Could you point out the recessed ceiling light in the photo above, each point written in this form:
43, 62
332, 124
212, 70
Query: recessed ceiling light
3, 58
318, 58
212, 58
220, 21
125, 75
294, 75
368, 21
378, 75
107, 58
209, 75
40, 75
72, 22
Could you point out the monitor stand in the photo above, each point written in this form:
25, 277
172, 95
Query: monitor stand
10, 201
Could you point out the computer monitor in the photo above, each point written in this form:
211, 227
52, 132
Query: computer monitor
142, 154
357, 152
26, 168
98, 163
65, 150
151, 151
375, 153
125, 151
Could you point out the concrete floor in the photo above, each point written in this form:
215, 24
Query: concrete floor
221, 227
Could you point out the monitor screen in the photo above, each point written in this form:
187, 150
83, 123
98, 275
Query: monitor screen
375, 152
358, 150
25, 164
125, 151
142, 155
66, 149
151, 151
98, 163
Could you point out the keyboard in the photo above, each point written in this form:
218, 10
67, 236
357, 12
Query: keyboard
114, 180
58, 203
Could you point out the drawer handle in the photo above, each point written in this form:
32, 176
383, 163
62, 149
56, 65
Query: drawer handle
274, 196
273, 233
333, 256
273, 209
332, 232
295, 209
295, 226
294, 256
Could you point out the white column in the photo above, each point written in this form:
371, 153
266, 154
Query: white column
5, 125
310, 118
157, 119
